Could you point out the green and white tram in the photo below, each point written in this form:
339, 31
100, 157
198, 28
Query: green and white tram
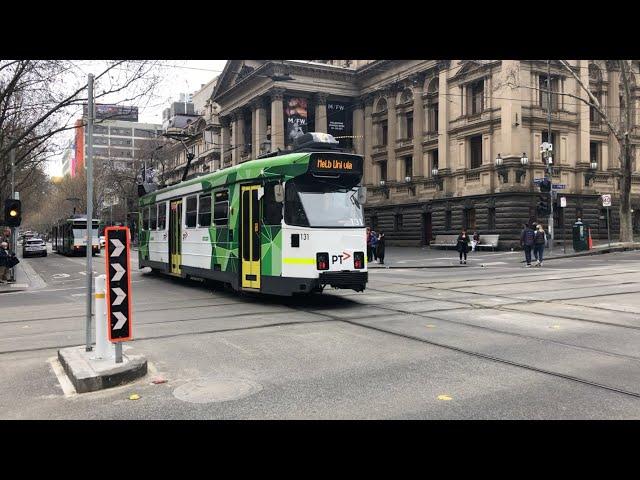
289, 223
69, 236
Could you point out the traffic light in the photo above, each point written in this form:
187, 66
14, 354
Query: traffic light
545, 185
12, 212
544, 207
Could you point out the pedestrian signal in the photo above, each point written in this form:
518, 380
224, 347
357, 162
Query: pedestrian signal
12, 212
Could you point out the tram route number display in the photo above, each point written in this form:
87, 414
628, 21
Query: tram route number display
118, 284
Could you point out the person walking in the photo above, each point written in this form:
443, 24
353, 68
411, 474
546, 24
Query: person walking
374, 244
380, 248
463, 246
539, 242
369, 248
527, 240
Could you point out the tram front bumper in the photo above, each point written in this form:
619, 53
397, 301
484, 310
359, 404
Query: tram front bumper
350, 280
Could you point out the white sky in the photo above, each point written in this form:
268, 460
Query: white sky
182, 76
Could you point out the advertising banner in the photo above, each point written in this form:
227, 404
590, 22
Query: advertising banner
114, 112
295, 115
338, 122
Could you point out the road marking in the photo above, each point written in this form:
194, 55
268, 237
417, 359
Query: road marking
67, 387
555, 327
430, 326
61, 275
495, 263
444, 397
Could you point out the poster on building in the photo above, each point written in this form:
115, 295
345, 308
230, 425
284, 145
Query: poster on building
338, 122
295, 116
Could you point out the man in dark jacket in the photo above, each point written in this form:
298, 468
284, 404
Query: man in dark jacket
380, 248
4, 262
527, 238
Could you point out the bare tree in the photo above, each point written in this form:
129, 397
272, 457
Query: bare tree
621, 130
41, 98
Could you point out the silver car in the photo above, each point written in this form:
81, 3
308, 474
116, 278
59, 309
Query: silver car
34, 246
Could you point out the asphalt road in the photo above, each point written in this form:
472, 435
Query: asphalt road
470, 342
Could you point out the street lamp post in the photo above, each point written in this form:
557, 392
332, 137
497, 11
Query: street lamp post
437, 178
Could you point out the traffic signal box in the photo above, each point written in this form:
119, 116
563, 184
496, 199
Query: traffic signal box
12, 212
544, 207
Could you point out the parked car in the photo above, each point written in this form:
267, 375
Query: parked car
34, 246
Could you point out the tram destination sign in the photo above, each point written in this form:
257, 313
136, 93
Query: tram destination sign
118, 289
332, 163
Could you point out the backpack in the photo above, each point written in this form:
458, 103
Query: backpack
529, 237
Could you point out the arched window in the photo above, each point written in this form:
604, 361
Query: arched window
381, 106
407, 96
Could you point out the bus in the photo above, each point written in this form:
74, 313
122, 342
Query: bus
283, 224
69, 236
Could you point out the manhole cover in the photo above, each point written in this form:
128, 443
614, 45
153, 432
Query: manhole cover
208, 390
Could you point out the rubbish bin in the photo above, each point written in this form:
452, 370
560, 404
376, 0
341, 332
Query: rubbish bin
580, 237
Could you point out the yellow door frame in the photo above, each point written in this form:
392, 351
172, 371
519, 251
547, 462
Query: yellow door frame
250, 236
176, 233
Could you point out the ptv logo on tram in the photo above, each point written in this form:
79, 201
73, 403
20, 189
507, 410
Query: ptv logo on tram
344, 256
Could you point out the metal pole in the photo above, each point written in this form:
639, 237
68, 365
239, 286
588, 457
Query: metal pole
608, 228
14, 230
89, 246
119, 352
551, 225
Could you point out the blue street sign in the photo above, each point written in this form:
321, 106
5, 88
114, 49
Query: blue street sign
538, 180
559, 186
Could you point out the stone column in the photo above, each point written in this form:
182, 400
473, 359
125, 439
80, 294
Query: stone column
259, 122
321, 112
510, 134
613, 110
370, 173
237, 139
584, 123
277, 119
419, 167
224, 139
444, 160
358, 127
394, 172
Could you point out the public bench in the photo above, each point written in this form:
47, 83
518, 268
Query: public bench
445, 241
488, 241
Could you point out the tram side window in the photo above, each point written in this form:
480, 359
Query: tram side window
162, 215
204, 210
153, 221
221, 208
145, 218
271, 210
192, 211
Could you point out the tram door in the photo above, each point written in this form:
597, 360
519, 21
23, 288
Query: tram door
250, 237
175, 236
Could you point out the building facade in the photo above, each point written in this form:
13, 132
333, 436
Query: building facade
431, 130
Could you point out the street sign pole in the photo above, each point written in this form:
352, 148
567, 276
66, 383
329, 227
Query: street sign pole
550, 165
14, 230
608, 228
89, 245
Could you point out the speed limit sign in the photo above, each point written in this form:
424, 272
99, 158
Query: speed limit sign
606, 200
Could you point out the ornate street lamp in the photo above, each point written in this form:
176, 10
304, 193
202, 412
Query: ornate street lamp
384, 188
521, 172
590, 175
438, 180
503, 172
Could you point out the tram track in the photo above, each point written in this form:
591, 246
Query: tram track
354, 322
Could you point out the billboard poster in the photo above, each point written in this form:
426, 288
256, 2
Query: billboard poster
114, 112
338, 122
295, 115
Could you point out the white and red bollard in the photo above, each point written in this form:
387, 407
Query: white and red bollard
104, 348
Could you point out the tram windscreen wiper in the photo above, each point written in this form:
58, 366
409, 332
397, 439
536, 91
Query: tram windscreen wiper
353, 198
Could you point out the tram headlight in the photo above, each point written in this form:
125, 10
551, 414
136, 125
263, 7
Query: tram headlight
358, 260
322, 261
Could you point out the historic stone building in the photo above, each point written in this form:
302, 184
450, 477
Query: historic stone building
431, 130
